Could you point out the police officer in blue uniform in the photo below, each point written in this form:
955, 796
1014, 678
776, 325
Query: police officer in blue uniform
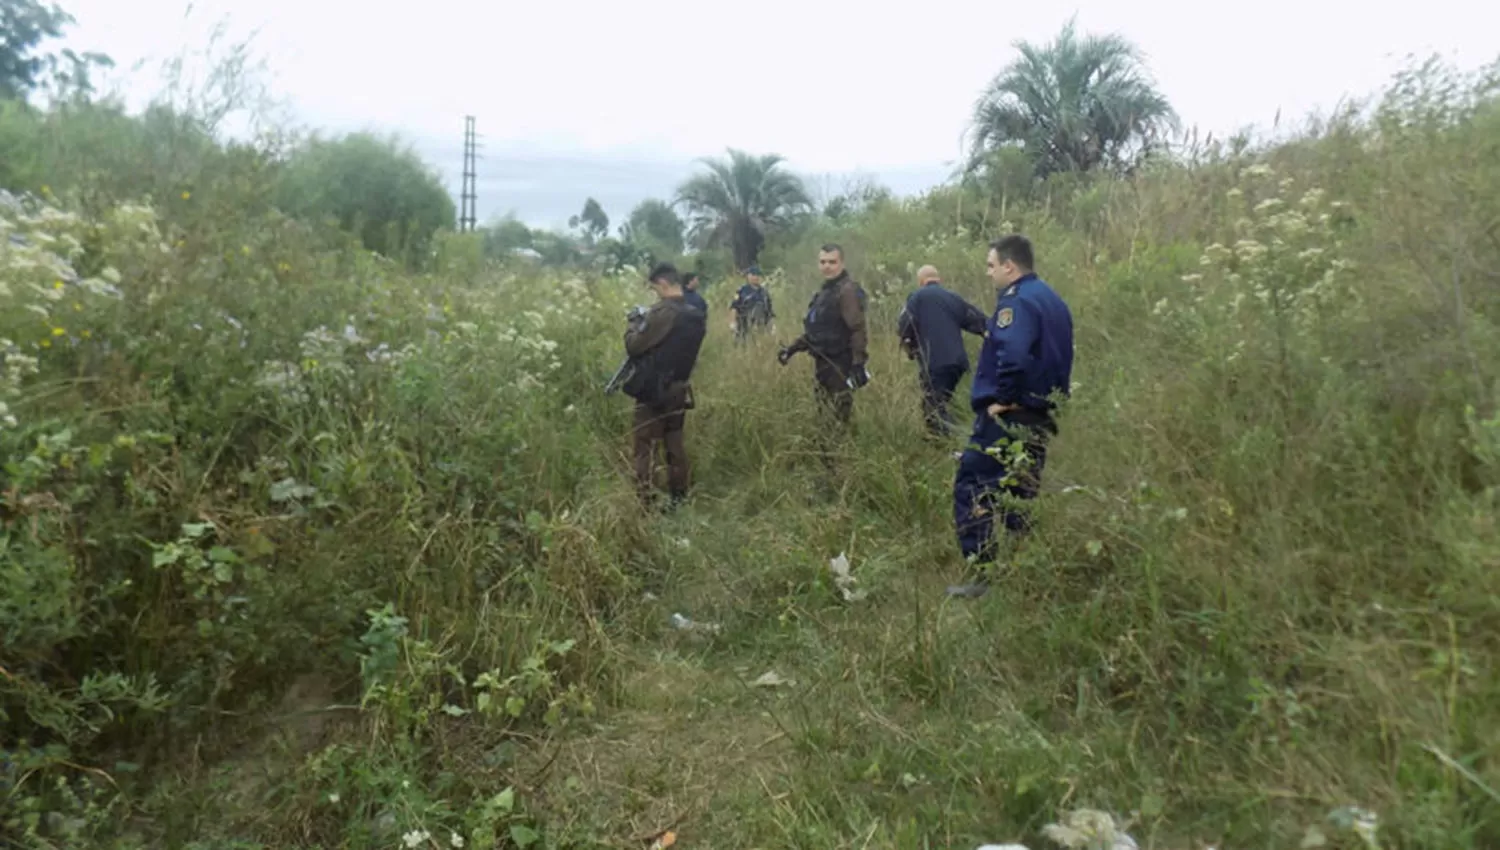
1025, 362
931, 327
690, 293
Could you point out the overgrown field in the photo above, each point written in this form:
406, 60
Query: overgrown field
303, 549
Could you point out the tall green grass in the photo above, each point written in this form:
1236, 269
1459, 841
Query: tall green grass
304, 549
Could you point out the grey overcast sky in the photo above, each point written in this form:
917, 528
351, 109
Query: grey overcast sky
616, 99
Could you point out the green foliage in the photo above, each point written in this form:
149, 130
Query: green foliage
302, 548
592, 220
24, 26
371, 187
654, 225
741, 201
1075, 104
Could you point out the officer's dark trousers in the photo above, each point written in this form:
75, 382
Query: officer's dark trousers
745, 324
659, 425
832, 390
937, 391
983, 480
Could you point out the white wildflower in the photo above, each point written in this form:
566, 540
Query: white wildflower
1310, 254
1258, 170
1192, 278
416, 837
455, 839
1269, 204
1249, 250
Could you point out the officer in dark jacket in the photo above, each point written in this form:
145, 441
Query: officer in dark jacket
931, 327
833, 332
751, 305
690, 293
1026, 359
664, 348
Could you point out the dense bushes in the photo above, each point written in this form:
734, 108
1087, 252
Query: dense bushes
254, 478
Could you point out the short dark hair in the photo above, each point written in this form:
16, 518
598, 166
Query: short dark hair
663, 271
1016, 248
832, 248
689, 277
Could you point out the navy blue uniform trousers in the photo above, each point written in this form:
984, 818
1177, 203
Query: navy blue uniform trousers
983, 480
937, 391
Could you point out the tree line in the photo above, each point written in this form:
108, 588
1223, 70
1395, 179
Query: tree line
1077, 104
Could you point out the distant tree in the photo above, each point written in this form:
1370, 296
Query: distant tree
655, 224
1076, 104
859, 196
24, 25
376, 188
506, 235
740, 201
594, 222
555, 249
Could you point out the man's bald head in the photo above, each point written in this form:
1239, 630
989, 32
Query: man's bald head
926, 274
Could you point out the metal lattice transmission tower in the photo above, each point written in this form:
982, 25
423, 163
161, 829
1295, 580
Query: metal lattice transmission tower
468, 214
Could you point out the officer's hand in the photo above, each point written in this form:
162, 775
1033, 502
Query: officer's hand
783, 355
859, 377
995, 410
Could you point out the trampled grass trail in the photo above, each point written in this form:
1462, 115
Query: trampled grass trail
783, 713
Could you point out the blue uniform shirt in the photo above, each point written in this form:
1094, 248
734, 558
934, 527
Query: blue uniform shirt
1027, 352
936, 318
693, 299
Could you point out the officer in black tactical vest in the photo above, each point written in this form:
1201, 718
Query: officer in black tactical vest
751, 305
664, 348
833, 332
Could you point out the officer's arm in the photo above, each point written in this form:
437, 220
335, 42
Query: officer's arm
1013, 352
658, 325
854, 319
973, 320
904, 321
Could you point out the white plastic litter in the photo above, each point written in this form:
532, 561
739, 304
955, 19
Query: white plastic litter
682, 623
843, 580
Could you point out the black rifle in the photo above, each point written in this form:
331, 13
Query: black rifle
635, 319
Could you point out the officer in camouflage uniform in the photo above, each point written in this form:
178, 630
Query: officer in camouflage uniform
833, 332
664, 349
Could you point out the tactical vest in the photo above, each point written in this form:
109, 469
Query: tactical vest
824, 326
661, 371
755, 306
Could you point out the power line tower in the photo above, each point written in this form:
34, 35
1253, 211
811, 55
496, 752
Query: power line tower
467, 216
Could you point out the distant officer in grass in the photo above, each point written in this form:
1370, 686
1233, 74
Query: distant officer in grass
931, 327
664, 348
1025, 362
751, 305
690, 293
833, 332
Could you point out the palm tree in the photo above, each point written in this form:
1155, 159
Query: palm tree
741, 200
1073, 105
